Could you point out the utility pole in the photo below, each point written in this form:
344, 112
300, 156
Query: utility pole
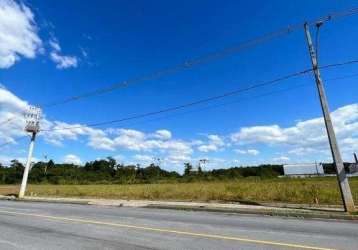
337, 159
32, 126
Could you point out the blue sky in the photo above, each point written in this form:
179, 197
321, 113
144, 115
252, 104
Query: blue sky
67, 48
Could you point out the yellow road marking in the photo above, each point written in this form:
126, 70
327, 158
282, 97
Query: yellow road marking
145, 228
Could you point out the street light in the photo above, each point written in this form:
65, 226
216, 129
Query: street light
32, 126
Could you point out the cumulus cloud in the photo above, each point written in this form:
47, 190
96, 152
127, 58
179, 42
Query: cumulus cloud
248, 151
281, 159
306, 136
11, 115
215, 143
18, 33
72, 159
61, 61
173, 151
19, 37
163, 134
113, 139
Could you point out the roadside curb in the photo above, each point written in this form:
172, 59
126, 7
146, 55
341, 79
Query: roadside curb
63, 201
7, 198
268, 212
255, 210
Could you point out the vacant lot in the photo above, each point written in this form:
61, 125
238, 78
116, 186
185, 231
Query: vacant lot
313, 191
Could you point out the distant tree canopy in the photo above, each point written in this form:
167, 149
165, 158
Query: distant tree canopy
329, 168
109, 171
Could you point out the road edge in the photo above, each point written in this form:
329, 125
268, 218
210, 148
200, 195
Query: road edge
267, 212
256, 210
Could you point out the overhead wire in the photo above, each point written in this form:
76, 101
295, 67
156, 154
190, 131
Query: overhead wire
171, 70
209, 99
222, 104
8, 120
15, 140
205, 100
201, 60
243, 99
186, 105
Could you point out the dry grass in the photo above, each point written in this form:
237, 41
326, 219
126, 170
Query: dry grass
312, 191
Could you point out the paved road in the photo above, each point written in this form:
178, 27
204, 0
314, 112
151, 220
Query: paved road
26, 225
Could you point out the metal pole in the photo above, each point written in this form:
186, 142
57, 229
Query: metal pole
337, 159
27, 167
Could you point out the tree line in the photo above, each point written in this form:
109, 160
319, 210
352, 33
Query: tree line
109, 171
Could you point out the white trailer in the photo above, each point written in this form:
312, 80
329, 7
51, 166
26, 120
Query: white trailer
303, 169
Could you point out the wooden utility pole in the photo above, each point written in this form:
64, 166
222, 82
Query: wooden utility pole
338, 163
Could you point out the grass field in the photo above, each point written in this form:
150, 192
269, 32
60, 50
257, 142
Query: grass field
309, 191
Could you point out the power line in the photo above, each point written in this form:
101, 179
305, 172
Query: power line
235, 92
342, 77
337, 14
201, 60
243, 99
205, 108
338, 64
206, 100
194, 103
213, 106
171, 70
11, 142
206, 58
222, 104
8, 120
227, 103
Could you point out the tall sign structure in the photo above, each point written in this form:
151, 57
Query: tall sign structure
336, 155
32, 117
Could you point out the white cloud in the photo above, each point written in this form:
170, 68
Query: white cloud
72, 159
163, 134
215, 143
305, 137
249, 151
173, 151
303, 151
119, 158
143, 159
84, 52
19, 37
112, 139
55, 45
281, 159
18, 33
11, 115
259, 134
253, 152
208, 148
62, 61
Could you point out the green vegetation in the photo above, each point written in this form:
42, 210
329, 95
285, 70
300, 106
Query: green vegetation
308, 191
107, 171
107, 179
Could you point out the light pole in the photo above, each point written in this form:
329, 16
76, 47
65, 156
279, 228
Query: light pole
32, 126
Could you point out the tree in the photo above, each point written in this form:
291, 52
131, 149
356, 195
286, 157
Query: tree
200, 171
187, 168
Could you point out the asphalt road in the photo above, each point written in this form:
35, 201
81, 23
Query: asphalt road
27, 225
